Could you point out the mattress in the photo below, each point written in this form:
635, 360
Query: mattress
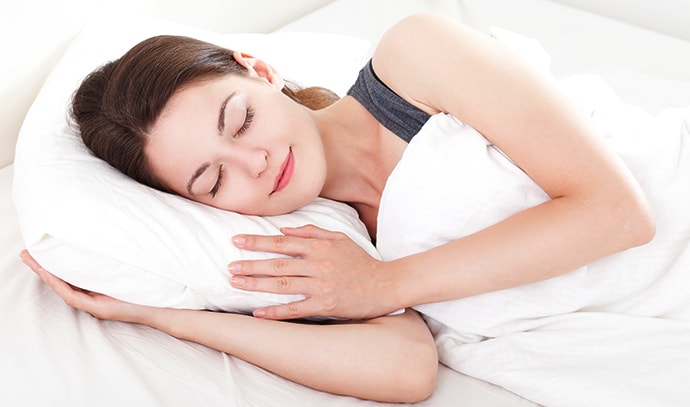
54, 355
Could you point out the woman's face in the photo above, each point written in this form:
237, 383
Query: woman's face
237, 143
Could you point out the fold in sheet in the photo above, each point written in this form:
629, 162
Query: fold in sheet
616, 329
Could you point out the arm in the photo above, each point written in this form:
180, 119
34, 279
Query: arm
597, 207
389, 359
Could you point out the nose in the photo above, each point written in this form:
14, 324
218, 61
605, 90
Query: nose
252, 160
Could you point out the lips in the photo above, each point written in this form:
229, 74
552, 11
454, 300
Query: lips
285, 173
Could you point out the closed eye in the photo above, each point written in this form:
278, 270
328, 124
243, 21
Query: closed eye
248, 118
218, 184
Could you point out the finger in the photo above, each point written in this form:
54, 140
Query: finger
29, 261
45, 275
281, 244
278, 266
311, 232
275, 285
70, 294
293, 310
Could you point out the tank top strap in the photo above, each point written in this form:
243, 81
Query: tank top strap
392, 111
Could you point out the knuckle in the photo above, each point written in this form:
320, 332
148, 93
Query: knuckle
279, 263
292, 310
329, 303
282, 284
325, 267
280, 241
327, 295
272, 313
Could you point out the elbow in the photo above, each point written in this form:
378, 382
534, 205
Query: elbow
646, 229
416, 381
638, 222
422, 387
645, 223
406, 366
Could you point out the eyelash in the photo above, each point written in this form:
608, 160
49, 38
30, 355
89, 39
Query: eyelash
218, 184
248, 118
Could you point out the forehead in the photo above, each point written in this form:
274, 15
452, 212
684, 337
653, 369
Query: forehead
190, 100
192, 104
200, 91
174, 144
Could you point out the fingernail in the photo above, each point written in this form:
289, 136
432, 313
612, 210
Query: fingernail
259, 313
239, 240
234, 267
237, 281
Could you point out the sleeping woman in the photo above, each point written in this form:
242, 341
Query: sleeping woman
221, 128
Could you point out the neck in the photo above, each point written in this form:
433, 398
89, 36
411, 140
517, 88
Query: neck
360, 155
351, 146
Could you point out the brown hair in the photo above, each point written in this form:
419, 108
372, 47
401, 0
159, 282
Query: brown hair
117, 105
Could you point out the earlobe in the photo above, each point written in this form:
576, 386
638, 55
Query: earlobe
260, 69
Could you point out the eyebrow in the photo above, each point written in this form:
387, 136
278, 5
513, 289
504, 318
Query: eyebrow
196, 175
221, 113
221, 127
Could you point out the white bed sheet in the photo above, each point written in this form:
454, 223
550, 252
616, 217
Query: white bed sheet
53, 355
617, 329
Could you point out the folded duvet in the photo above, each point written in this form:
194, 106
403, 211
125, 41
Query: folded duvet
616, 332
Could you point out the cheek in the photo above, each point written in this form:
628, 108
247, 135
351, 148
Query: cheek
284, 116
238, 196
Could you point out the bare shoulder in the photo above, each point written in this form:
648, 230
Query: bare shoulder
413, 33
421, 48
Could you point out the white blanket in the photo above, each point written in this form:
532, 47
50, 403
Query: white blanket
616, 332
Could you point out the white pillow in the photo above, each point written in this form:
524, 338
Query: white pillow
99, 230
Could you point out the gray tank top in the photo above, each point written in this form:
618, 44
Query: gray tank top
395, 113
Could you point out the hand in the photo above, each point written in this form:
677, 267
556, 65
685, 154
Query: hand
337, 276
99, 305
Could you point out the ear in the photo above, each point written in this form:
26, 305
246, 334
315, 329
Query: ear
260, 69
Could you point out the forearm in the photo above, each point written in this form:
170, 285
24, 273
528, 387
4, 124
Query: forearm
387, 359
598, 207
542, 242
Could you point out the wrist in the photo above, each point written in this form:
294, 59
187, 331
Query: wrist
394, 292
405, 288
163, 319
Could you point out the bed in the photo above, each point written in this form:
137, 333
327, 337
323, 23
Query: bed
53, 355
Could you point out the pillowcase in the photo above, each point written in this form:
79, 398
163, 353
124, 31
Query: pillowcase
99, 230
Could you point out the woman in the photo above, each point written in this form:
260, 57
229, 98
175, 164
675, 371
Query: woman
225, 126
